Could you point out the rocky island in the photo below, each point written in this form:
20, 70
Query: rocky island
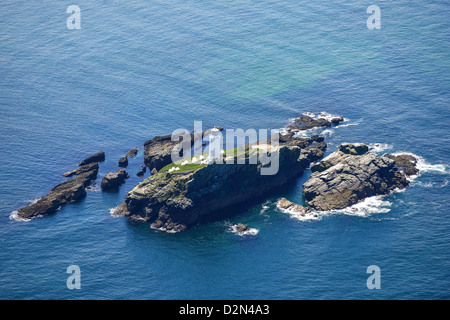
180, 195
351, 174
69, 191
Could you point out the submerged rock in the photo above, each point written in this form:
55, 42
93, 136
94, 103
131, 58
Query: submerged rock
113, 180
142, 172
132, 152
285, 204
306, 122
243, 230
349, 175
62, 194
123, 162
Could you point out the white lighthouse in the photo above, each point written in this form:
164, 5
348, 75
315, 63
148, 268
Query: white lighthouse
215, 144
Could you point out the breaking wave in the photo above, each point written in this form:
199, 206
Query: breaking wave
248, 232
15, 216
112, 212
424, 166
369, 206
310, 216
379, 147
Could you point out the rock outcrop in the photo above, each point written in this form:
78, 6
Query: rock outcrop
98, 157
306, 122
132, 152
142, 171
349, 175
241, 228
85, 168
113, 180
123, 162
158, 151
285, 204
63, 193
175, 201
406, 163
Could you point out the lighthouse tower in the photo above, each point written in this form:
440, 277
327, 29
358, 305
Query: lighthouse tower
215, 144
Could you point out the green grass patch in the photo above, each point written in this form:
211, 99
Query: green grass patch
186, 167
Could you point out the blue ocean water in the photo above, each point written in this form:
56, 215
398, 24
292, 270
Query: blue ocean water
137, 69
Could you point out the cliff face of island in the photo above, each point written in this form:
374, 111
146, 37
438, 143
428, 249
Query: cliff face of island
176, 200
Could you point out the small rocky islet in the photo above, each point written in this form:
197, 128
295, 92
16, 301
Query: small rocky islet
176, 197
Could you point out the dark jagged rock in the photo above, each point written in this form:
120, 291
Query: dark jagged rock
241, 228
158, 151
406, 163
354, 148
306, 122
349, 175
317, 138
62, 194
285, 204
82, 169
123, 162
179, 200
133, 152
336, 120
98, 157
113, 180
142, 172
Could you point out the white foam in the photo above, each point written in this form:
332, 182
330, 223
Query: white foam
379, 147
163, 229
112, 212
310, 216
347, 123
33, 201
321, 115
327, 133
264, 209
15, 216
309, 114
367, 207
424, 166
249, 232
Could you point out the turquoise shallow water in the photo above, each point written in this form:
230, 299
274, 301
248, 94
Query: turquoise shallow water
139, 68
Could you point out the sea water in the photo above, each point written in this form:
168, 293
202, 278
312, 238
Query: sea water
137, 69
